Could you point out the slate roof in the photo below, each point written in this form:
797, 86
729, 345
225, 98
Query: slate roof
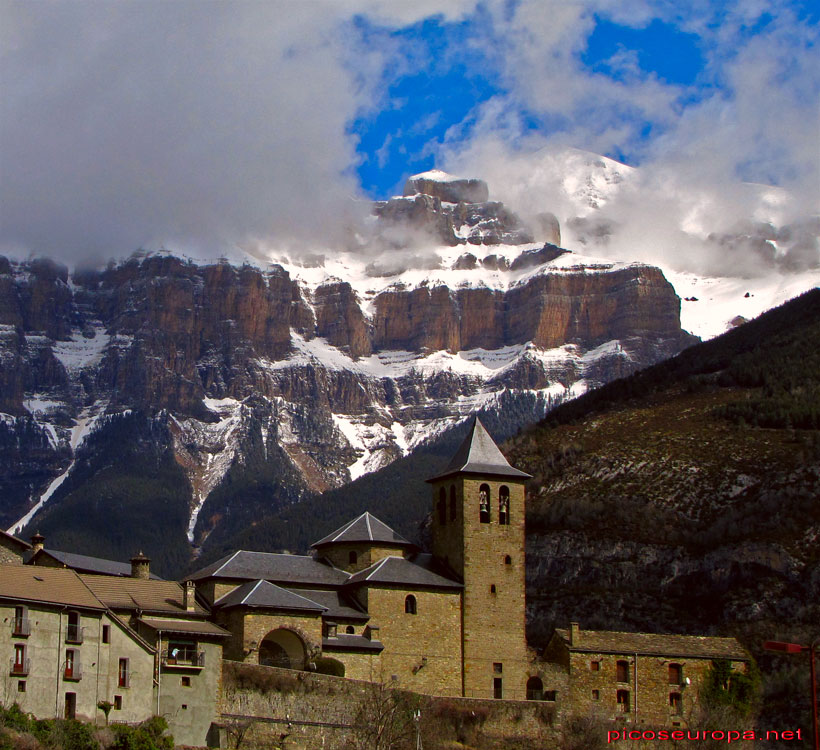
344, 642
193, 627
46, 585
402, 572
120, 593
270, 566
655, 644
365, 528
479, 454
265, 595
87, 564
336, 605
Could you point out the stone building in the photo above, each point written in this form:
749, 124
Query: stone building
12, 549
637, 677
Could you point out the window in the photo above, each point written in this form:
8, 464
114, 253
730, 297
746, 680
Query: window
452, 502
185, 681
182, 652
622, 671
507, 560
675, 703
118, 703
70, 705
498, 689
353, 557
442, 506
595, 666
596, 695
622, 697
72, 665
492, 588
106, 634
410, 605
504, 506
675, 673
123, 675
74, 633
20, 663
21, 686
184, 706
20, 626
484, 503
535, 689
350, 630
498, 667
550, 695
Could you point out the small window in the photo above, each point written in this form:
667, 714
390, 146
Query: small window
498, 689
504, 506
353, 557
452, 502
622, 671
118, 703
622, 698
184, 706
675, 673
498, 667
123, 674
484, 504
350, 630
535, 689
106, 634
186, 682
550, 695
492, 588
442, 506
410, 605
595, 666
596, 695
21, 686
507, 560
676, 703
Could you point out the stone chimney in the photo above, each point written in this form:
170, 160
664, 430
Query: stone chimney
140, 566
574, 634
37, 542
190, 596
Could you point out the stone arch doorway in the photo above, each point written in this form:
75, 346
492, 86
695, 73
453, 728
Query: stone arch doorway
282, 648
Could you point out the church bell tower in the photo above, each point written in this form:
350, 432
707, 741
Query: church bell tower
478, 532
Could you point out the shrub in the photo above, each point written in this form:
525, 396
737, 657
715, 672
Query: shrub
326, 665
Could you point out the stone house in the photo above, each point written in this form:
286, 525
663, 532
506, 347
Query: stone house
12, 549
637, 677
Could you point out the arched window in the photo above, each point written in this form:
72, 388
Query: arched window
535, 689
442, 506
504, 506
507, 560
350, 630
675, 674
410, 605
353, 557
484, 503
452, 502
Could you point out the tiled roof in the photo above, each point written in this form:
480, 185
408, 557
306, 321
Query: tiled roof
266, 595
344, 642
197, 627
87, 564
9, 539
49, 585
655, 644
402, 572
270, 566
137, 593
479, 454
365, 528
336, 605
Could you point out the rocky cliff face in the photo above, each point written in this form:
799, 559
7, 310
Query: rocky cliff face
265, 373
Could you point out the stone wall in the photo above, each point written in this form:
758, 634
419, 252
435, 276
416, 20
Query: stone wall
366, 555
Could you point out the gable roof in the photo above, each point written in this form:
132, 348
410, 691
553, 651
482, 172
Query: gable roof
118, 593
46, 585
399, 571
479, 454
270, 566
86, 563
9, 540
655, 644
365, 528
265, 595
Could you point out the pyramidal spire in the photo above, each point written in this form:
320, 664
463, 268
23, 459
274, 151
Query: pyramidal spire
479, 454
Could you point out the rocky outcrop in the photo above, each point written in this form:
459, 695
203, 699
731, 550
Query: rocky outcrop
447, 188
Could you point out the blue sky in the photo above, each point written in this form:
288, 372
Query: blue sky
144, 122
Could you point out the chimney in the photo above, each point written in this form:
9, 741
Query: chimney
190, 596
332, 629
574, 634
37, 542
140, 566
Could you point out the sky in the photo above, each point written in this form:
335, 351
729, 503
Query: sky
200, 125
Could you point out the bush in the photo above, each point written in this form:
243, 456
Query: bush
150, 735
326, 665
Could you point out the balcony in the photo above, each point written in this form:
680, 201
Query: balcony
184, 660
73, 672
20, 627
74, 634
20, 668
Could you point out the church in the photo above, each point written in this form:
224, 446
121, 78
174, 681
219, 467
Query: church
370, 605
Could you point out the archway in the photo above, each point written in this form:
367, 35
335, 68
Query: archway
282, 648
